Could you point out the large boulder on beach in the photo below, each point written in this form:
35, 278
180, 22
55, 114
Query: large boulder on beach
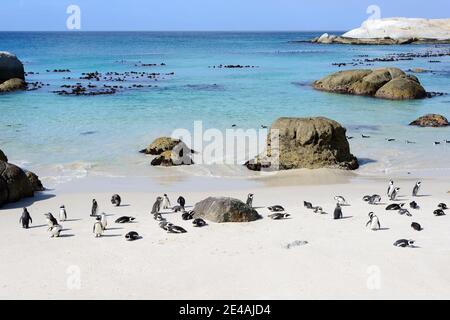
14, 183
10, 67
387, 83
3, 156
307, 143
224, 209
33, 179
430, 120
13, 85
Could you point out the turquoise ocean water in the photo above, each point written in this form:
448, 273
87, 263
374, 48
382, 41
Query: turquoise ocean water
62, 137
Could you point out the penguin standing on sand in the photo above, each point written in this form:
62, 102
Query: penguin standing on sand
416, 189
55, 231
51, 221
62, 213
250, 200
25, 219
157, 205
103, 220
166, 202
98, 228
337, 212
390, 188
394, 194
181, 201
373, 222
94, 208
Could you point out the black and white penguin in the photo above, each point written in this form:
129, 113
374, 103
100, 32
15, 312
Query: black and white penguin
416, 188
55, 231
337, 212
157, 205
366, 198
51, 221
166, 201
116, 200
276, 208
124, 219
395, 206
188, 215
442, 206
416, 226
181, 201
178, 209
390, 188
404, 243
307, 205
318, 210
394, 194
62, 213
414, 205
374, 199
279, 216
25, 219
340, 200
373, 222
103, 220
439, 212
98, 228
132, 235
94, 208
404, 212
199, 222
171, 228
250, 200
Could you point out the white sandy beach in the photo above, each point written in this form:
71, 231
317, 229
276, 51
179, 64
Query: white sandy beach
233, 260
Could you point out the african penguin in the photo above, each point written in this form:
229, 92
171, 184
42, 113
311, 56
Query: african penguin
390, 188
25, 219
124, 219
62, 213
394, 194
199, 222
404, 243
116, 200
250, 200
395, 206
51, 221
98, 228
166, 202
132, 235
439, 212
307, 205
337, 212
416, 189
94, 208
103, 220
157, 205
416, 226
55, 231
373, 222
181, 201
442, 206
340, 200
413, 205
276, 208
279, 216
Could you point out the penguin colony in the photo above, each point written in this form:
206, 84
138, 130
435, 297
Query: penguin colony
277, 212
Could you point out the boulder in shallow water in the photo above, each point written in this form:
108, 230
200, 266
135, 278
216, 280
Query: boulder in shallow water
10, 67
36, 184
430, 120
224, 209
386, 83
402, 88
13, 85
311, 143
160, 145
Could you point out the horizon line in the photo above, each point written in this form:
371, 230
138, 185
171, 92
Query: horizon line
80, 31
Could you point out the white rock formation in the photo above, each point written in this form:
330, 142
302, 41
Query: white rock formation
402, 28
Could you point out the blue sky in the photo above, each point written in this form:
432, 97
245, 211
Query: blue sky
209, 14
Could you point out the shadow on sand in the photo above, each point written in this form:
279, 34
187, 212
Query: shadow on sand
28, 201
